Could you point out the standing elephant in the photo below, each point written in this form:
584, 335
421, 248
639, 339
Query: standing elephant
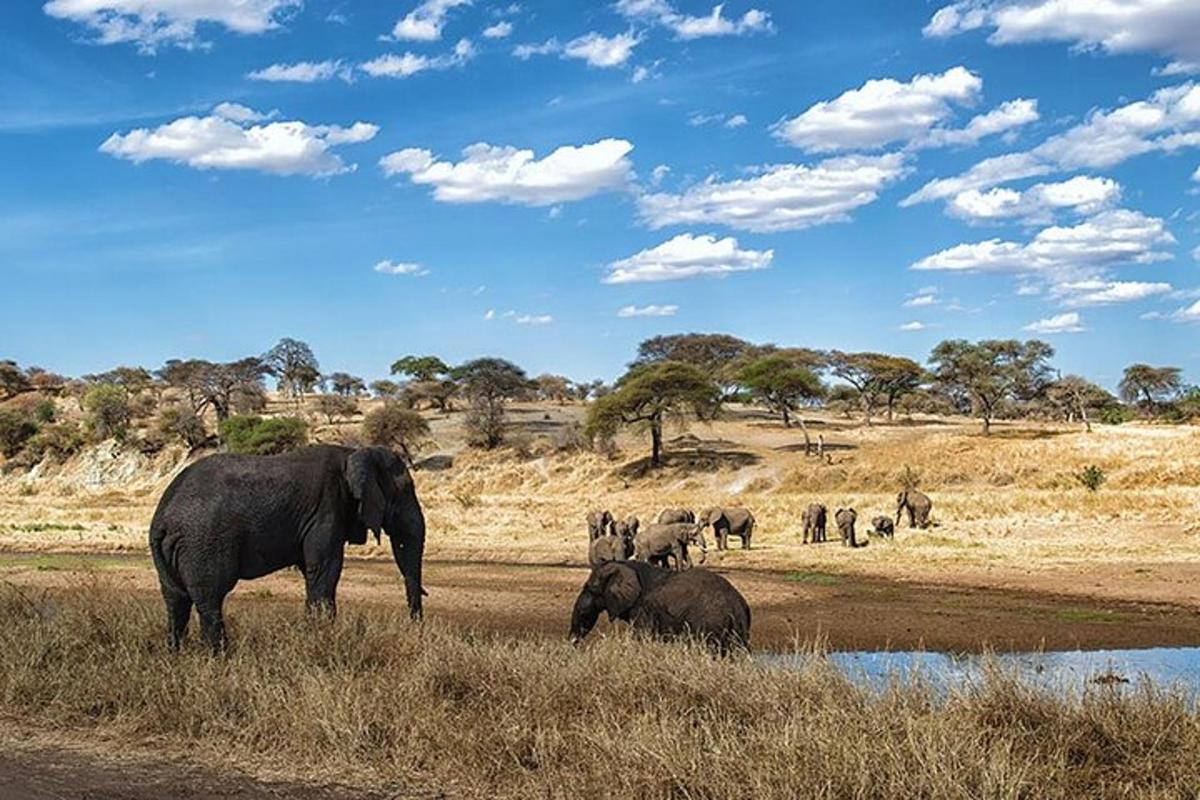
728, 522
626, 530
232, 517
814, 519
599, 523
845, 519
665, 604
607, 548
882, 526
917, 504
657, 544
669, 515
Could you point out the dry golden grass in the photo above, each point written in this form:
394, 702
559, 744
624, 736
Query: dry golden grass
373, 700
1006, 507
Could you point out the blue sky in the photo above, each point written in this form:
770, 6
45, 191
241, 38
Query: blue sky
554, 182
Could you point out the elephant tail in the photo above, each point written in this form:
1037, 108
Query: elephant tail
164, 562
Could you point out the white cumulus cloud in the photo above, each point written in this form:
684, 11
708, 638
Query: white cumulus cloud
235, 137
1165, 27
302, 72
686, 27
1103, 292
408, 64
647, 311
912, 327
1069, 322
151, 24
780, 197
426, 22
596, 49
509, 175
500, 30
410, 268
1082, 194
688, 256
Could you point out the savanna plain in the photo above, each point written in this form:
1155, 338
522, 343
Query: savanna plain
487, 698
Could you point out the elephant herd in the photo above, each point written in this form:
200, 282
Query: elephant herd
916, 504
665, 542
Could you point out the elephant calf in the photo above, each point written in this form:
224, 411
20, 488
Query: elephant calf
728, 522
814, 523
918, 506
845, 519
605, 549
599, 523
657, 544
882, 526
665, 604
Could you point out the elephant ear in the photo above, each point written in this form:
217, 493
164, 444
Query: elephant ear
621, 589
362, 475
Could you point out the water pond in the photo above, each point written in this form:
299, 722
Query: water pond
1066, 671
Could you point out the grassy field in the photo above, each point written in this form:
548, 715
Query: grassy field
374, 701
1008, 509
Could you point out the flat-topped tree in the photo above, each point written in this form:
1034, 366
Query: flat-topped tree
876, 378
715, 354
1076, 398
12, 379
648, 394
420, 368
489, 383
235, 387
1152, 388
292, 362
991, 372
782, 385
345, 384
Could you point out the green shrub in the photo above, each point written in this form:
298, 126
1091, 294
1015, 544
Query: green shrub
1113, 415
1091, 477
44, 411
15, 430
181, 424
395, 426
263, 436
108, 411
59, 440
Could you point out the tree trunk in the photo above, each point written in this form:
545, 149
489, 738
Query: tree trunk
656, 441
987, 425
787, 422
804, 430
891, 404
866, 410
1087, 423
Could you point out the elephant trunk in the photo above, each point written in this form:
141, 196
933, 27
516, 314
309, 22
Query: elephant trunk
583, 617
703, 543
407, 534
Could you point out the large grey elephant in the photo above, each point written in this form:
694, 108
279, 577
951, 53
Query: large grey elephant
845, 518
814, 519
669, 515
917, 504
599, 524
233, 517
696, 603
728, 522
659, 544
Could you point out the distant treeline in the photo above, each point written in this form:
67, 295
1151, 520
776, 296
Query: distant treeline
689, 375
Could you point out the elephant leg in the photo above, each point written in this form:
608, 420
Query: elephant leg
320, 583
212, 622
179, 610
746, 540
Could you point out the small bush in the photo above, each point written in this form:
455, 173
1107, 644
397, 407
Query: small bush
108, 410
15, 430
181, 424
484, 423
395, 426
334, 406
263, 436
1112, 415
60, 441
44, 411
1091, 477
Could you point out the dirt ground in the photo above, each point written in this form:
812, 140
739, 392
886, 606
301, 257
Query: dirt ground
844, 612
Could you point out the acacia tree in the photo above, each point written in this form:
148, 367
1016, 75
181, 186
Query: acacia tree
648, 394
431, 380
12, 380
292, 362
991, 372
232, 387
420, 368
396, 427
861, 371
489, 383
783, 386
346, 385
1077, 397
553, 387
1150, 387
715, 354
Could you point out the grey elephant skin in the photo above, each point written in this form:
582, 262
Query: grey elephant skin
658, 544
669, 515
814, 519
845, 518
609, 548
882, 526
238, 517
599, 524
696, 603
728, 522
917, 505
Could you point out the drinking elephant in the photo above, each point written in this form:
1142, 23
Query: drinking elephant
599, 524
697, 603
845, 519
669, 515
728, 522
232, 517
814, 519
882, 526
658, 544
917, 504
